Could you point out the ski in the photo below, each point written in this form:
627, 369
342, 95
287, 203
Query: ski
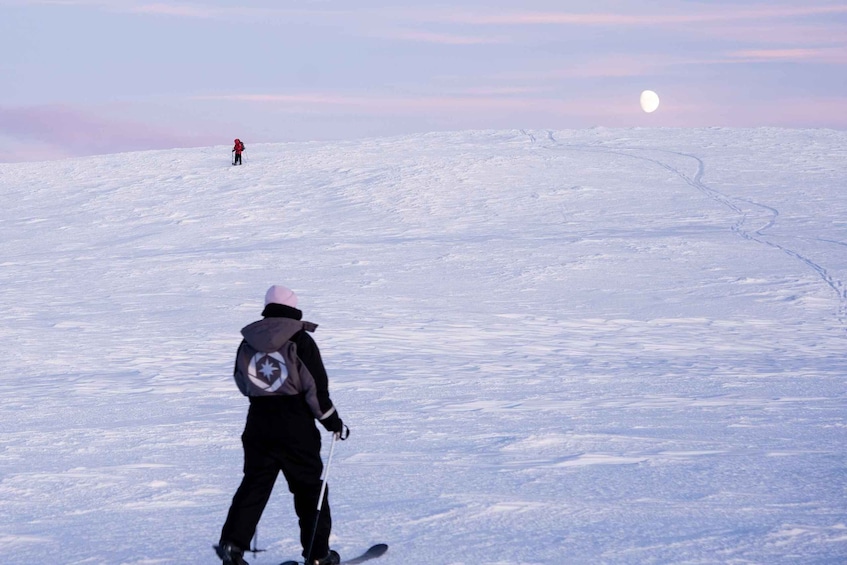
373, 552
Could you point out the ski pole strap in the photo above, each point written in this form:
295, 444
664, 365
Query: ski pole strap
344, 433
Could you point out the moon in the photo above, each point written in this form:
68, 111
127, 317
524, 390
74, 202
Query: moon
649, 101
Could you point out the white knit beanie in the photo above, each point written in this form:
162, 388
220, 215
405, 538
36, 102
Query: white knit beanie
278, 294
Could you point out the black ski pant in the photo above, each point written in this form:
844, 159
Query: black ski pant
237, 159
302, 468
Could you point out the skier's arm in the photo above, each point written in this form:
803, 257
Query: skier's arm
310, 355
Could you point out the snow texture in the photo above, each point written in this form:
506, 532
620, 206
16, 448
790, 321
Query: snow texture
594, 346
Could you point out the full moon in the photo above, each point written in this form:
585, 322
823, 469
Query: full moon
649, 101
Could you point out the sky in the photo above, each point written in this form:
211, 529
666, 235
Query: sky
83, 77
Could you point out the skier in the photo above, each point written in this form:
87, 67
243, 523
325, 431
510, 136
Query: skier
280, 432
239, 147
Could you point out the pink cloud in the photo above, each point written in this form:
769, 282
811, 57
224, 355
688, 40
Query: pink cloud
386, 104
821, 112
184, 10
17, 151
787, 33
790, 112
72, 132
615, 66
440, 38
561, 18
657, 14
641, 19
145, 8
493, 109
231, 11
761, 22
822, 55
499, 91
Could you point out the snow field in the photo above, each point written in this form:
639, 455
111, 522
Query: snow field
594, 346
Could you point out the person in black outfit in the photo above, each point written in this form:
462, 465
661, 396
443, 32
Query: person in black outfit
280, 432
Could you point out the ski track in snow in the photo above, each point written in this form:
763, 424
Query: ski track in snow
551, 347
758, 235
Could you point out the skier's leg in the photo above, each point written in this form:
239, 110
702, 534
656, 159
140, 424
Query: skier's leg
302, 469
260, 473
305, 504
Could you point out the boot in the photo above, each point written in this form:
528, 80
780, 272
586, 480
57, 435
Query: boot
332, 558
230, 554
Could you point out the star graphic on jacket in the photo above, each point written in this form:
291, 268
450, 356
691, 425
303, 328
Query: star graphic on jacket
267, 369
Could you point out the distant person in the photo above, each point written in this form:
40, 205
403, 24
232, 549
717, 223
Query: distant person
237, 150
279, 367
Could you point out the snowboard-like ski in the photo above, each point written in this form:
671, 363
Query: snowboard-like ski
373, 552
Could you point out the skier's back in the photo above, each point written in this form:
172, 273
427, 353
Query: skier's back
279, 366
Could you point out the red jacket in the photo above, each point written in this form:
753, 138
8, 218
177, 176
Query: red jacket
239, 147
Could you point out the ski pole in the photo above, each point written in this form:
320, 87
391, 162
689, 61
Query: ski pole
321, 497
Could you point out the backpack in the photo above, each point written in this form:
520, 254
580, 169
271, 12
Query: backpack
267, 363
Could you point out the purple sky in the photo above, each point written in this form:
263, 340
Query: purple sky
85, 77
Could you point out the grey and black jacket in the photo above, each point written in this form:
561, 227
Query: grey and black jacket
279, 367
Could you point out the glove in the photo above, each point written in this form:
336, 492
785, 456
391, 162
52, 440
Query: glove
333, 423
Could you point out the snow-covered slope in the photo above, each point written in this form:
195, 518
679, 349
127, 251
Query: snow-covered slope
596, 346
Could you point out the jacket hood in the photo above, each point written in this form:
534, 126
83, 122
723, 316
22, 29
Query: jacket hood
270, 334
